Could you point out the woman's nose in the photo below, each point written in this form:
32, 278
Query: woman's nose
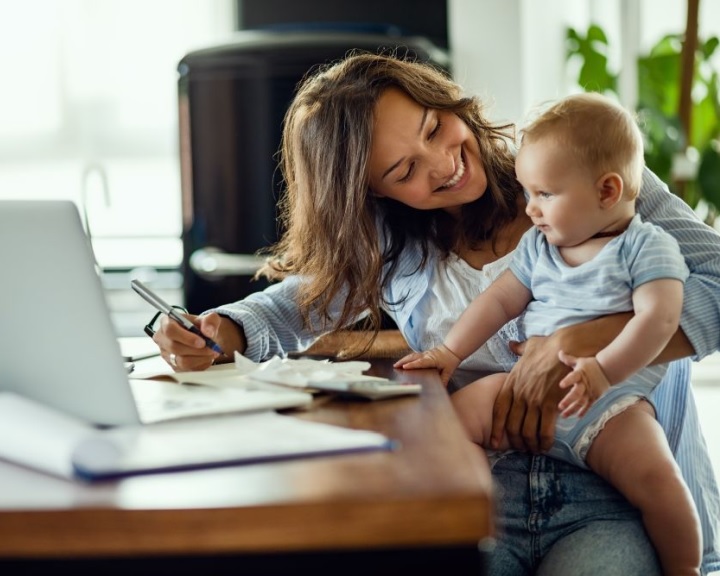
444, 166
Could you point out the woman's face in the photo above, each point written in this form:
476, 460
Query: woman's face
423, 157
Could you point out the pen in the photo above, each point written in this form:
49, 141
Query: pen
165, 308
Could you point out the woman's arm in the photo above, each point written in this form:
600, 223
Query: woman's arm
271, 321
526, 408
261, 325
700, 247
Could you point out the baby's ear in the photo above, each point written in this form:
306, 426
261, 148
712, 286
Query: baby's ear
610, 189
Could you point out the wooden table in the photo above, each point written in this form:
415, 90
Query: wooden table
428, 501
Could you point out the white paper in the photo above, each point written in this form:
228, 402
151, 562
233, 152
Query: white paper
162, 400
138, 347
292, 372
300, 372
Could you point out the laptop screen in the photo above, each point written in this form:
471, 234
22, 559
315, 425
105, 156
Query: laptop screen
57, 345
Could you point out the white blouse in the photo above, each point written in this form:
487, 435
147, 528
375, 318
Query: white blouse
453, 285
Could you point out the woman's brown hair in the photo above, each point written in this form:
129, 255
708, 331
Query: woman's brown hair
328, 212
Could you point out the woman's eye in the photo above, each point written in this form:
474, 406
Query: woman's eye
435, 130
408, 174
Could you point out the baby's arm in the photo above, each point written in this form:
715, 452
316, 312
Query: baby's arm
657, 307
504, 300
440, 357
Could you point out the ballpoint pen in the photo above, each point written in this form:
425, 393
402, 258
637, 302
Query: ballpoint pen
165, 308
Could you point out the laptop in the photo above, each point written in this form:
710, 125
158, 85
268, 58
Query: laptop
58, 344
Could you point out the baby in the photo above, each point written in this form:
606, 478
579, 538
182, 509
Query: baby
588, 255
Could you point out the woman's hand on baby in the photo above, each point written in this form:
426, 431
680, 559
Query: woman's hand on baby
527, 404
440, 357
526, 408
587, 382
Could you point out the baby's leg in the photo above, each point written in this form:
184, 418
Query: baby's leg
474, 406
631, 452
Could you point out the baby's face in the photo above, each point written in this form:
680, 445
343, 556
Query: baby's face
563, 197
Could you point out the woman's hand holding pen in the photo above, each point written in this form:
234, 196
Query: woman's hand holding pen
185, 351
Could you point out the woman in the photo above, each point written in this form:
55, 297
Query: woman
401, 197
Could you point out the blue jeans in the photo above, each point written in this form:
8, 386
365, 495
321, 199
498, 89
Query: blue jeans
555, 519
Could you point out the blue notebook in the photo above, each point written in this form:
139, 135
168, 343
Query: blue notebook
42, 438
246, 439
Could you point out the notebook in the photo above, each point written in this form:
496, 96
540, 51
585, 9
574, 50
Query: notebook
58, 345
53, 442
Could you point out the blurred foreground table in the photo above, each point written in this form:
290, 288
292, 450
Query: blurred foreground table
424, 505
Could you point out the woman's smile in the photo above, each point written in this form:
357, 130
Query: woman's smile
457, 178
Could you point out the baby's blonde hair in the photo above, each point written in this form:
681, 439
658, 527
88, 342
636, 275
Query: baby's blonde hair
598, 132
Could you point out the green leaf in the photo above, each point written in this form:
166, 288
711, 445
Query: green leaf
709, 175
572, 42
708, 48
662, 140
704, 123
591, 50
658, 82
691, 193
670, 44
594, 75
597, 34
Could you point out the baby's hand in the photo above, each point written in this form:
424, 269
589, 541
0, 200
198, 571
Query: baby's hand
587, 382
439, 357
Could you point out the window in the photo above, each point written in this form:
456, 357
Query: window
88, 112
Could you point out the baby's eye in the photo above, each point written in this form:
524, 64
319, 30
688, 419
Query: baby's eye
544, 195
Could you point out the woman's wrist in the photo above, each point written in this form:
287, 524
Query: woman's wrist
232, 339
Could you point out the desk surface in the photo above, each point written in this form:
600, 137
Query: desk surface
434, 490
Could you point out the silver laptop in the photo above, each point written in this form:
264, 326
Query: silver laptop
58, 345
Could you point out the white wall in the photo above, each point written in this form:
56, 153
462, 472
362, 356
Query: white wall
501, 53
512, 52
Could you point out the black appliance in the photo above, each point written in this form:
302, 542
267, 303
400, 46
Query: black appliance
232, 99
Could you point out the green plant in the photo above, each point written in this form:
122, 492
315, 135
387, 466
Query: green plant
658, 109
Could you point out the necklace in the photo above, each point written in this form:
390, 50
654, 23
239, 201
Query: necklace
608, 233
